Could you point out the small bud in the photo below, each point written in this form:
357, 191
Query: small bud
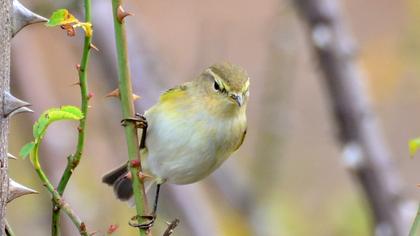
121, 14
90, 95
112, 228
135, 163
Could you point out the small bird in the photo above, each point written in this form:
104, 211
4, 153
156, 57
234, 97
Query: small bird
191, 130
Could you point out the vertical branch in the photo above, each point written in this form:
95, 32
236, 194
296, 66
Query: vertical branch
127, 106
73, 160
5, 37
361, 139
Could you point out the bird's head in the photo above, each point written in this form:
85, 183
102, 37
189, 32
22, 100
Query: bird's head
225, 86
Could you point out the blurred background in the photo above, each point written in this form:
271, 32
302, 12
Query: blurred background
288, 178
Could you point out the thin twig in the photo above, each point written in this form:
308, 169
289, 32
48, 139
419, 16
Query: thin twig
73, 160
56, 197
128, 112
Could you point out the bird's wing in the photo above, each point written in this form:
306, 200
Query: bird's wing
173, 92
242, 139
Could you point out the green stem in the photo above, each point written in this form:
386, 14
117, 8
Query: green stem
127, 107
74, 159
9, 231
56, 197
416, 224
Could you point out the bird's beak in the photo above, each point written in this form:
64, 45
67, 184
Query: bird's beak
238, 99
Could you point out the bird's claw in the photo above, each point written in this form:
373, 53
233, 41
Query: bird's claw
139, 121
147, 225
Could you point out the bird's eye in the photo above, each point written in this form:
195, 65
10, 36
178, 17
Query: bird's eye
216, 86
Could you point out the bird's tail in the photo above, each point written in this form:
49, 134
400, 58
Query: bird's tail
121, 182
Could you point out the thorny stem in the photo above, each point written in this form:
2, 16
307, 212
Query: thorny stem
56, 197
73, 160
127, 107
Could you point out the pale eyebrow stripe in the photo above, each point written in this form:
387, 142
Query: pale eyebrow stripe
217, 78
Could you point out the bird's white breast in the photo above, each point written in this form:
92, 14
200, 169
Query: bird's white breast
184, 149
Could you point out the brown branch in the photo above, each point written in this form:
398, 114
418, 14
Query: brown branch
361, 139
5, 37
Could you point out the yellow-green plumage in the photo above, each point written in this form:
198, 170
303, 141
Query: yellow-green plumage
194, 127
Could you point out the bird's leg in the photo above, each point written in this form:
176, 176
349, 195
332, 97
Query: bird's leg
138, 119
151, 218
155, 204
140, 122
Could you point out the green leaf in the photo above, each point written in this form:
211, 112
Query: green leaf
413, 146
61, 17
26, 150
78, 114
55, 114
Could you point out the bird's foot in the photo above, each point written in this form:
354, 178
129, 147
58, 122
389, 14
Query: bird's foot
139, 121
150, 220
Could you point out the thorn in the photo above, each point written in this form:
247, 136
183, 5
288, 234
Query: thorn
10, 156
77, 83
12, 103
16, 190
23, 17
78, 67
91, 45
121, 14
128, 175
114, 93
135, 97
89, 106
79, 129
20, 110
144, 176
